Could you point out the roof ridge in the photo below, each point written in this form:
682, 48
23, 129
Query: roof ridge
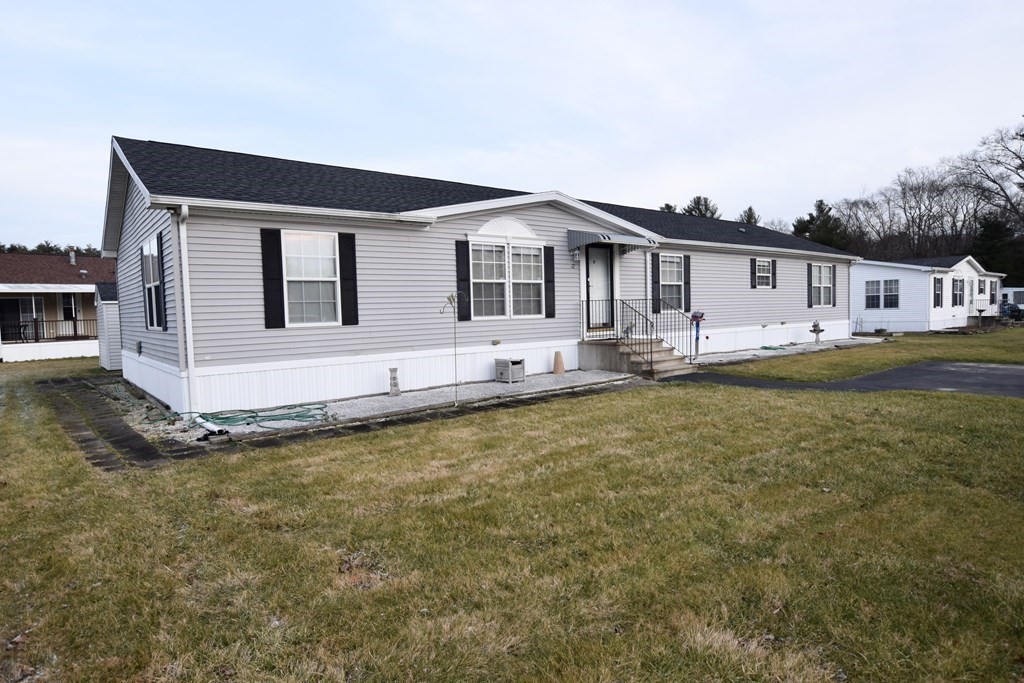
318, 163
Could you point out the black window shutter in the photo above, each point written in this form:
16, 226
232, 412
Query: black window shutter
686, 283
273, 278
655, 282
465, 296
753, 273
835, 287
549, 282
347, 271
773, 273
145, 294
161, 309
810, 278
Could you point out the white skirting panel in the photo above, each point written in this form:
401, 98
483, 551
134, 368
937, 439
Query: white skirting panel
262, 385
12, 353
163, 381
740, 338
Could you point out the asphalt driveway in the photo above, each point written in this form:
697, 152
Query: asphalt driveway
968, 378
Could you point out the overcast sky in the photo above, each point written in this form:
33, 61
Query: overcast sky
769, 103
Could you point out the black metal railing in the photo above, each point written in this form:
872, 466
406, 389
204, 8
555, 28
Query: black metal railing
635, 324
31, 331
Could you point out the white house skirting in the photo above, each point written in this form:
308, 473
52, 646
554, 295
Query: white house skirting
261, 385
797, 331
163, 381
11, 353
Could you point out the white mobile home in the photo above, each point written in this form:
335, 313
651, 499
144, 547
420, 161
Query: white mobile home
246, 281
922, 294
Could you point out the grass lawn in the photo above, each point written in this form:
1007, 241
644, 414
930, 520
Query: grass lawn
1002, 346
676, 532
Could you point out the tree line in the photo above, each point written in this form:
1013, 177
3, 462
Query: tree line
48, 247
969, 204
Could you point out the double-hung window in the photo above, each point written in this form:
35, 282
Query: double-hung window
69, 309
489, 280
527, 280
672, 281
821, 285
507, 280
891, 294
764, 272
872, 294
981, 286
958, 292
311, 277
152, 284
937, 293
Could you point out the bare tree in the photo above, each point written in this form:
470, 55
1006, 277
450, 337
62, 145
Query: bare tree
995, 171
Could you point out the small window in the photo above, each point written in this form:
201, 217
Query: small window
821, 285
68, 307
891, 292
872, 294
1018, 298
981, 286
937, 293
153, 284
311, 277
672, 281
958, 292
764, 272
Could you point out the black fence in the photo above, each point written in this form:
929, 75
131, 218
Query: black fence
32, 331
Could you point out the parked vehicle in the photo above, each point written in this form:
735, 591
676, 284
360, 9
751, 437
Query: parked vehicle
1011, 311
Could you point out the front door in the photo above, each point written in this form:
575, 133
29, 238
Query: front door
600, 308
10, 319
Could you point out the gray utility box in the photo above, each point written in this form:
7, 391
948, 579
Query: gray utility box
509, 370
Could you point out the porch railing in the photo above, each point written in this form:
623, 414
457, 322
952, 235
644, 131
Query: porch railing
32, 331
639, 324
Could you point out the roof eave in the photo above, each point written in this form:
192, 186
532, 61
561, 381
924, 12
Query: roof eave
194, 203
766, 250
113, 212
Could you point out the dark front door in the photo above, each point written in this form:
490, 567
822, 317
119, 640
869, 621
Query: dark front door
10, 319
600, 307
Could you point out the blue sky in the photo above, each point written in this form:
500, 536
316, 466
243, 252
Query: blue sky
773, 104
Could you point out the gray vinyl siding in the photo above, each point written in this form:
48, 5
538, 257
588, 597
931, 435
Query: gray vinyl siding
404, 275
720, 286
140, 223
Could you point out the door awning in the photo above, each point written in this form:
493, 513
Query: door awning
628, 243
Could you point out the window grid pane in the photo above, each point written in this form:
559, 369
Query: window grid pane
311, 275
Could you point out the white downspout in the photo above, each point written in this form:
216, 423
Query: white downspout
190, 355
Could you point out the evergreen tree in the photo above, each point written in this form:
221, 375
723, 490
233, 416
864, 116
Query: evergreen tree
703, 207
822, 227
749, 216
669, 208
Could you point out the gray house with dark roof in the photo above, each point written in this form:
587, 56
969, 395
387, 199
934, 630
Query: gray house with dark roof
247, 281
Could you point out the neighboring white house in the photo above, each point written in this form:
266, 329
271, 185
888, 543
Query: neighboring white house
1015, 295
248, 281
47, 306
921, 294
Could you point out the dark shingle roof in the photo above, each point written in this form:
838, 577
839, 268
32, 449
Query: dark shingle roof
934, 261
679, 226
182, 171
107, 291
54, 269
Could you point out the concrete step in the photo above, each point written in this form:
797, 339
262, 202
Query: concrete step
666, 367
